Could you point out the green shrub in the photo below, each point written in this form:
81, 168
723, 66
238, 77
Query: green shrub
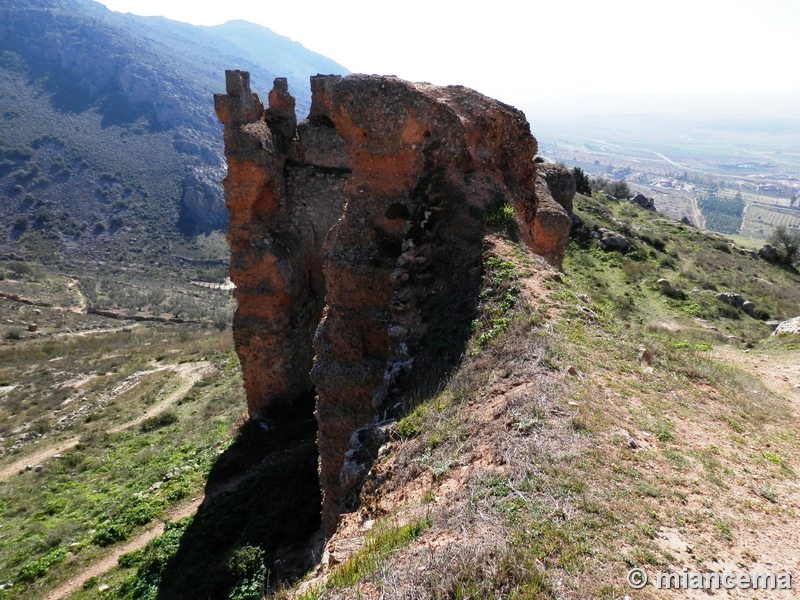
38, 568
21, 223
408, 427
14, 333
246, 562
164, 419
111, 533
500, 215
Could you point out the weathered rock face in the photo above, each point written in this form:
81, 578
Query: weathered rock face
560, 182
792, 326
356, 233
202, 206
610, 241
644, 202
768, 253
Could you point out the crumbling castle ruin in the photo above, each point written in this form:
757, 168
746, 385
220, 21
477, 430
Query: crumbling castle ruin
356, 233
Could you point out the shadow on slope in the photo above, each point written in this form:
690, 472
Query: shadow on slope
262, 500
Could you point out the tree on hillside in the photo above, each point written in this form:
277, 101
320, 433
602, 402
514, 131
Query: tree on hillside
616, 189
787, 243
582, 181
19, 268
619, 189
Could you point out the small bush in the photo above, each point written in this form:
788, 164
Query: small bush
247, 567
19, 268
500, 215
222, 320
111, 534
90, 583
246, 562
164, 419
21, 223
14, 333
408, 427
38, 568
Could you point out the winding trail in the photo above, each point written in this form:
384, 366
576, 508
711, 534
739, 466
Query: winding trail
189, 372
36, 458
110, 561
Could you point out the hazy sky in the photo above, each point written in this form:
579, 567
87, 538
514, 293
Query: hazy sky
559, 54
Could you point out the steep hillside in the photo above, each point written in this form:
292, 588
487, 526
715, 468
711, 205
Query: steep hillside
606, 426
593, 425
109, 148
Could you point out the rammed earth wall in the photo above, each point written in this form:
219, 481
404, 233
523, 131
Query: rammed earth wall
355, 234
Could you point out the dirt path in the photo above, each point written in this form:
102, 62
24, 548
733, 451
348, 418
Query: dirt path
697, 215
780, 372
95, 331
190, 373
36, 458
75, 287
765, 538
110, 561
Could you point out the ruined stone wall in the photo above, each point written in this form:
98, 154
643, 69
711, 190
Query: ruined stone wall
356, 232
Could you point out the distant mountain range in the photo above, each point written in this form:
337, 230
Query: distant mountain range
109, 147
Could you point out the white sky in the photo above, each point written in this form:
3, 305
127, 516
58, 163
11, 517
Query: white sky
560, 55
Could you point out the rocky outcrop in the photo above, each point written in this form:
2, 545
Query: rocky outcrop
560, 182
644, 202
768, 253
666, 287
610, 241
737, 301
790, 327
355, 234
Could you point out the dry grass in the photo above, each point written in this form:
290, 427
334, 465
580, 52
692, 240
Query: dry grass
539, 484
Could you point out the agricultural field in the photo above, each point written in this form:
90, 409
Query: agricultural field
760, 219
723, 215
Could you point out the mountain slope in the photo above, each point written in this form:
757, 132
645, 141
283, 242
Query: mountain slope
606, 426
109, 141
594, 425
